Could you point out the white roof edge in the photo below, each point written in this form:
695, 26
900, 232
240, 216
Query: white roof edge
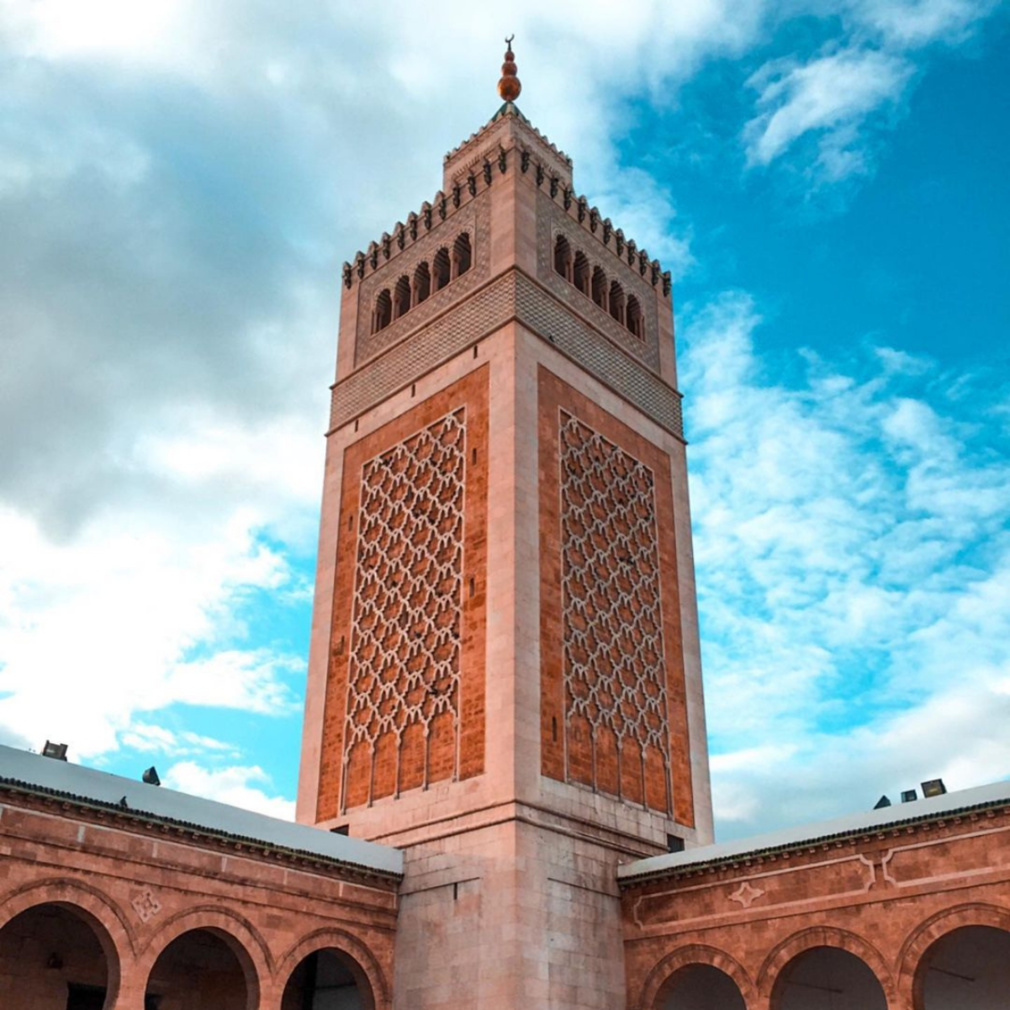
104, 787
867, 820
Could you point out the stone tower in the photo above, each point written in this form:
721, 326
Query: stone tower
504, 677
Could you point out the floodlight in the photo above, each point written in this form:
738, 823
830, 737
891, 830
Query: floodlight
909, 795
55, 750
882, 802
151, 777
934, 787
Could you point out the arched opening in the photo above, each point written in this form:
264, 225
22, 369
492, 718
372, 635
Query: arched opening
441, 269
401, 297
600, 287
383, 314
51, 958
328, 980
580, 273
201, 969
461, 255
967, 969
828, 978
700, 987
633, 317
563, 258
617, 302
422, 283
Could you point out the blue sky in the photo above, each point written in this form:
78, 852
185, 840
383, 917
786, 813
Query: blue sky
179, 184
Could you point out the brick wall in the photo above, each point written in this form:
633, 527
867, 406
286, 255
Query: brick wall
405, 693
613, 706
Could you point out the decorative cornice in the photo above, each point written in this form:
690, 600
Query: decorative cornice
810, 845
133, 819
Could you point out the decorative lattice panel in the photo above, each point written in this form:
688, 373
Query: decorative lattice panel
614, 670
403, 688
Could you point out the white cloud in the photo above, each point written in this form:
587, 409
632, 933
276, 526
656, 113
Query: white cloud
829, 96
178, 185
853, 560
99, 627
238, 785
919, 22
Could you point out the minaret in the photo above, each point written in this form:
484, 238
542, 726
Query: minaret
504, 675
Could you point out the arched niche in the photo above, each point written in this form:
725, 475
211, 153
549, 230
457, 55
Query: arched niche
55, 956
203, 968
328, 979
827, 978
700, 987
965, 969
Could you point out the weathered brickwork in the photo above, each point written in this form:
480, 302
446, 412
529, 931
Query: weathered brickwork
405, 692
512, 296
473, 219
613, 707
885, 897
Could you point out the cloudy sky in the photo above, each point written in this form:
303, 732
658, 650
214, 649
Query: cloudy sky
179, 184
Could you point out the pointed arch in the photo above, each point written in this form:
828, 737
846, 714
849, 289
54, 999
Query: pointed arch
633, 317
441, 269
563, 257
401, 297
462, 254
422, 283
617, 302
382, 315
599, 288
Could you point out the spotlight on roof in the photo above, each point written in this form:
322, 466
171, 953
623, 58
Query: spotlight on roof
881, 803
55, 750
909, 795
934, 787
151, 777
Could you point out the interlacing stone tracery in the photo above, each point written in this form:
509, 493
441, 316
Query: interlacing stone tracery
404, 663
614, 670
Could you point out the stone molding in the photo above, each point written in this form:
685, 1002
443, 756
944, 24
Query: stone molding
363, 961
771, 976
912, 955
510, 296
845, 877
696, 953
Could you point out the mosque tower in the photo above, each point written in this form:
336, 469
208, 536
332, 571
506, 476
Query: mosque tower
504, 675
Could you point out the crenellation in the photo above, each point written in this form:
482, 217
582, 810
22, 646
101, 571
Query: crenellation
405, 235
600, 228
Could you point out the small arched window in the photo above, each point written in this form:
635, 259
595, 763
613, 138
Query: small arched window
617, 302
633, 317
422, 283
599, 292
383, 313
401, 297
441, 269
563, 258
461, 255
580, 273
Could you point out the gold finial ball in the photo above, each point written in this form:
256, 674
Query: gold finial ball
509, 86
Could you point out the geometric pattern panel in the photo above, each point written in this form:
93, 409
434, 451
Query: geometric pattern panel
613, 652
403, 686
